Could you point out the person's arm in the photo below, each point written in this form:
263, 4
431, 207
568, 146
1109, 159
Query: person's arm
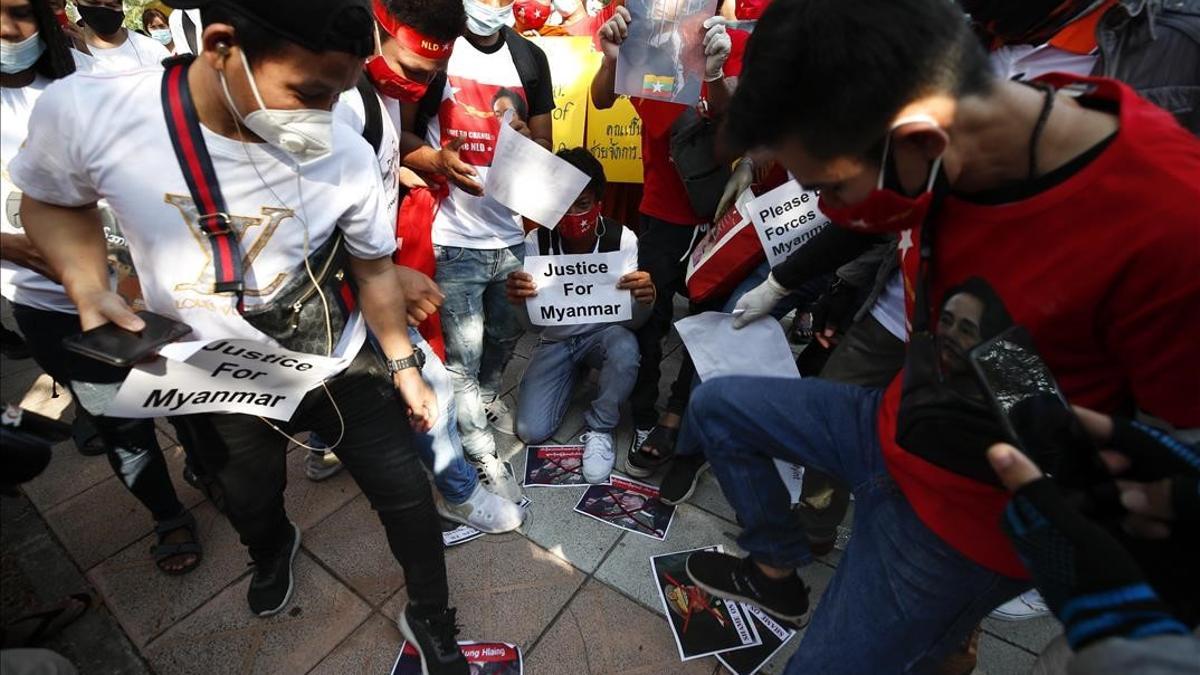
612, 34
419, 156
642, 287
541, 130
17, 249
518, 288
717, 47
381, 298
830, 249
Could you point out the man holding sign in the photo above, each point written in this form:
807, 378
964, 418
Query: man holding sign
584, 315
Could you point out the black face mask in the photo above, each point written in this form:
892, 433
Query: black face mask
101, 19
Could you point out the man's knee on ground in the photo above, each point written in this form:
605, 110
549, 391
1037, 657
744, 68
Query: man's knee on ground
532, 432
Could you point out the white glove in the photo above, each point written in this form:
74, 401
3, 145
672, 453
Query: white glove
758, 302
739, 180
717, 46
613, 32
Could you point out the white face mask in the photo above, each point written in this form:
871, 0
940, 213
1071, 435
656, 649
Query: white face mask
163, 35
484, 20
17, 57
305, 134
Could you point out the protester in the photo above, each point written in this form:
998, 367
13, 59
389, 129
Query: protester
478, 241
611, 348
666, 232
549, 18
923, 93
155, 23
114, 47
406, 29
185, 30
323, 178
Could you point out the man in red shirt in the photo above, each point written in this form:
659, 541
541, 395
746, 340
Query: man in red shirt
1067, 208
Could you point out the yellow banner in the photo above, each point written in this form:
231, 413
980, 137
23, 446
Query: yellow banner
614, 136
573, 62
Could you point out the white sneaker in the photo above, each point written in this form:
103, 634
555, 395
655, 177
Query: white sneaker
500, 417
319, 466
483, 511
496, 478
1028, 605
598, 456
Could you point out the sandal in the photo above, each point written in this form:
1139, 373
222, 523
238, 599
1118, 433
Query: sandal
45, 624
640, 463
163, 551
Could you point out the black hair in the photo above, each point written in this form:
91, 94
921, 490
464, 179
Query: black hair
995, 318
442, 20
56, 62
150, 12
255, 40
583, 160
834, 73
518, 101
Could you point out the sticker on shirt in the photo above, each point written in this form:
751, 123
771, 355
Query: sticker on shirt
554, 466
578, 289
701, 624
629, 505
454, 533
472, 113
483, 658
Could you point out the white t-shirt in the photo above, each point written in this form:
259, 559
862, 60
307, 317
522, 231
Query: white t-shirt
888, 309
70, 160
349, 109
475, 83
137, 51
629, 242
1026, 62
179, 31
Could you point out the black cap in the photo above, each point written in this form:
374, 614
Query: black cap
317, 25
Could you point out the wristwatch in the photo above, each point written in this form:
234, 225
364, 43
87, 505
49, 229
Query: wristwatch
414, 360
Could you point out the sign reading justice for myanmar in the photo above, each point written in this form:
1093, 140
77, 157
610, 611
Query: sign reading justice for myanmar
574, 289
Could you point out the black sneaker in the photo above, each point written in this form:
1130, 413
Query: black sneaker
434, 639
273, 580
733, 578
681, 479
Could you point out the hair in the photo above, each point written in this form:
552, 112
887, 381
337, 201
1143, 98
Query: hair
56, 62
255, 40
149, 13
834, 73
518, 101
583, 160
442, 20
995, 318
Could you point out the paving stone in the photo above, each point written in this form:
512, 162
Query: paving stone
997, 657
628, 566
309, 503
147, 601
505, 588
553, 524
513, 373
11, 367
709, 497
68, 474
601, 631
352, 543
224, 637
106, 518
372, 648
1032, 635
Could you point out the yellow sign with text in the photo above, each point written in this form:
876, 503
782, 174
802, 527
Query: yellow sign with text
614, 136
573, 62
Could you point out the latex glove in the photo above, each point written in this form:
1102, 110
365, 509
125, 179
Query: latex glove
758, 302
613, 33
717, 46
742, 178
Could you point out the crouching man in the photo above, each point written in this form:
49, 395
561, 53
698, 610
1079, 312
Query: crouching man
545, 389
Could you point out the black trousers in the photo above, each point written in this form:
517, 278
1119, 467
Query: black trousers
246, 459
131, 445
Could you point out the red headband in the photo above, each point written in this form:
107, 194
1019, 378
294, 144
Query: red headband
420, 44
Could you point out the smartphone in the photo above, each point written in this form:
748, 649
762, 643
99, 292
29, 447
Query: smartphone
116, 346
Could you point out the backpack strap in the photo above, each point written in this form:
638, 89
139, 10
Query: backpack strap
429, 104
543, 236
611, 239
373, 116
183, 125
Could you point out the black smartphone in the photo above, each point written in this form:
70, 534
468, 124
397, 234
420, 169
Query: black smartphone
116, 346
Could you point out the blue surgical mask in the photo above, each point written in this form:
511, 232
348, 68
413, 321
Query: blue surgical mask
163, 35
484, 20
17, 57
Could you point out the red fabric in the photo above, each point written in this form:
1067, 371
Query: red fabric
747, 10
1102, 271
663, 194
590, 26
414, 248
418, 43
723, 258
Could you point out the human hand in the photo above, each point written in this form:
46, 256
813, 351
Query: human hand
422, 297
640, 284
102, 306
741, 178
758, 302
458, 172
833, 312
519, 287
520, 127
613, 33
421, 400
717, 46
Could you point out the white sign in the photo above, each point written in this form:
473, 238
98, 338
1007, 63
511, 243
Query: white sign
531, 180
222, 376
574, 289
785, 218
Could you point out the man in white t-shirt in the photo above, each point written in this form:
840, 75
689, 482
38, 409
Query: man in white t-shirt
114, 47
261, 91
478, 241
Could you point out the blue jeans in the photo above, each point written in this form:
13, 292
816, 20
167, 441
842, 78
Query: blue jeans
545, 389
901, 598
481, 329
441, 447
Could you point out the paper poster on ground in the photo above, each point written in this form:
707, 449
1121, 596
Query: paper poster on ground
614, 136
575, 289
701, 623
554, 466
484, 658
630, 505
750, 660
530, 180
573, 62
786, 218
663, 56
454, 533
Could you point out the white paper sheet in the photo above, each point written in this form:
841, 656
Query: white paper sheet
530, 179
759, 348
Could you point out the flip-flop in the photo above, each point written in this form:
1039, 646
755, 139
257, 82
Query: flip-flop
640, 464
46, 624
163, 552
